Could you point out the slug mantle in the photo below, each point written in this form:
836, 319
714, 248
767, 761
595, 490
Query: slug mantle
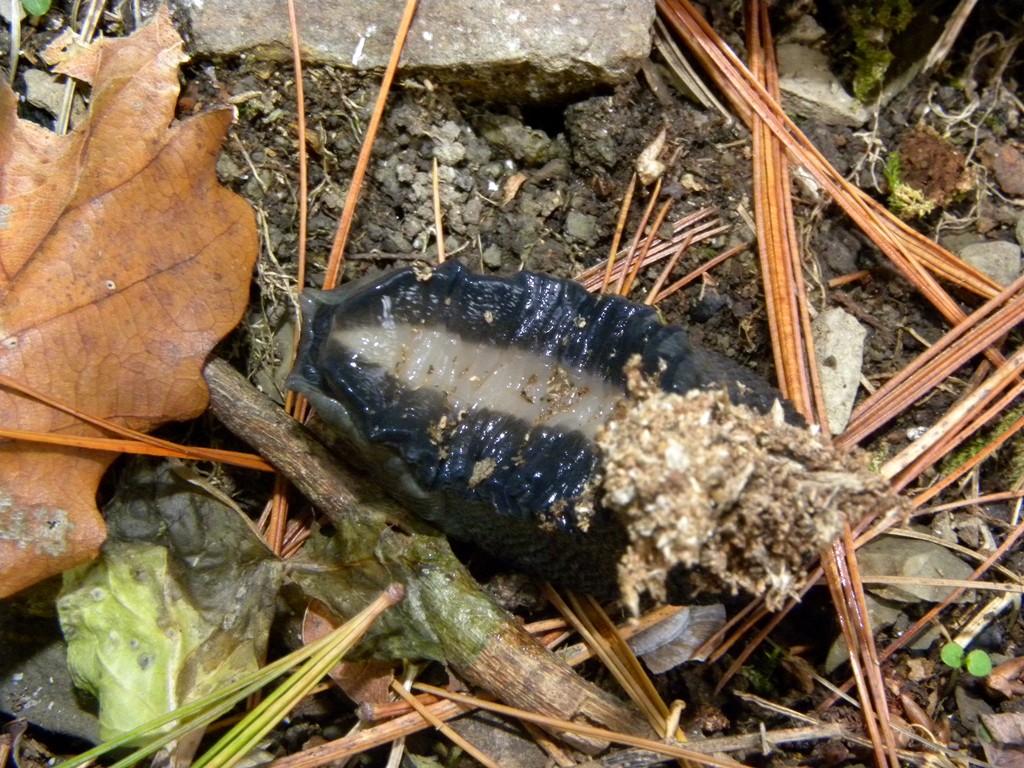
476, 401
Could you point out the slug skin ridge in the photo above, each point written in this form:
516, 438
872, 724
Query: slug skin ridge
474, 401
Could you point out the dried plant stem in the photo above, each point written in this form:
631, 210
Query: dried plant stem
703, 268
634, 247
601, 635
988, 498
983, 328
921, 453
352, 198
838, 578
300, 133
954, 24
620, 227
135, 442
655, 292
640, 256
437, 214
142, 448
368, 738
455, 738
926, 620
909, 251
699, 225
672, 750
940, 485
785, 295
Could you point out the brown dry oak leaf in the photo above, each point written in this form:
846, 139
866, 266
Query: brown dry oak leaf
122, 262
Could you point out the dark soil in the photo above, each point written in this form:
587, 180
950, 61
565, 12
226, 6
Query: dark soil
540, 188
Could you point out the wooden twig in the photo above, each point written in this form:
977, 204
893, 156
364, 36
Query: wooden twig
481, 642
747, 742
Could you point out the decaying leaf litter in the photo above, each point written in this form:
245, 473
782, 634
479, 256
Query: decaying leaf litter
746, 290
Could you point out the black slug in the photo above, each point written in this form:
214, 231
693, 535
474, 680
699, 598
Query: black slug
475, 400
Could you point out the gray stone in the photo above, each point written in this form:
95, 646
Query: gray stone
998, 259
839, 346
529, 145
804, 30
45, 91
957, 242
918, 561
516, 50
1018, 230
811, 90
492, 256
581, 228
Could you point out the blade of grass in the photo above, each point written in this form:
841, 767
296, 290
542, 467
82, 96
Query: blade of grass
241, 739
202, 711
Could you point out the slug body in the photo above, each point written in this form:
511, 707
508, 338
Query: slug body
475, 400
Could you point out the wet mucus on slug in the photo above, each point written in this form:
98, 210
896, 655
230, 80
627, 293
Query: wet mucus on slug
475, 400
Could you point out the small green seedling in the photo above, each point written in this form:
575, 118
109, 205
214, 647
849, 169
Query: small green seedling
975, 663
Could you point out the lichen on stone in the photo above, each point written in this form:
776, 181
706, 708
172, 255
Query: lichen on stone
743, 501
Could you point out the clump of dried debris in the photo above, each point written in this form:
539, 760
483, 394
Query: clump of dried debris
745, 500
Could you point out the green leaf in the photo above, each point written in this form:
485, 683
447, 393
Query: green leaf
35, 7
978, 663
155, 624
128, 634
952, 655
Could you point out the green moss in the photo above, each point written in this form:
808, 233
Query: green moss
905, 201
972, 447
760, 675
872, 25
